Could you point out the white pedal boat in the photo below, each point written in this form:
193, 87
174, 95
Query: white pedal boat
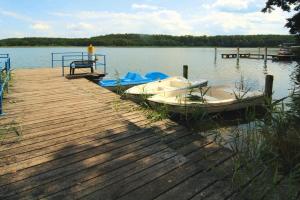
163, 86
216, 99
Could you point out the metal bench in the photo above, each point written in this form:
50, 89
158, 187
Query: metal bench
81, 64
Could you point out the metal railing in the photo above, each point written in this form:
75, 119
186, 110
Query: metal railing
65, 58
57, 57
4, 55
5, 68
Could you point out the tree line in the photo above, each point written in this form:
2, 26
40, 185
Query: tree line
156, 40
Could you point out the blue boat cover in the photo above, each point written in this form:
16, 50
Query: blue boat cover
156, 76
133, 78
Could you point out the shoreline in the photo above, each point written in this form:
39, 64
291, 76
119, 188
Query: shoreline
208, 47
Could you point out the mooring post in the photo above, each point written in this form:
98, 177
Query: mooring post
52, 60
185, 71
63, 65
269, 86
104, 61
266, 55
238, 56
215, 54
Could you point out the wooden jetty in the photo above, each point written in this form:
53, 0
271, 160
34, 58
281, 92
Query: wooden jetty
78, 140
258, 56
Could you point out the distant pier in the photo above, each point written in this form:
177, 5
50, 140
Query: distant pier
258, 56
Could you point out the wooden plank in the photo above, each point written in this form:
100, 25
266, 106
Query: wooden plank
64, 162
29, 145
219, 190
149, 183
94, 185
199, 182
107, 161
95, 142
8, 161
153, 162
42, 129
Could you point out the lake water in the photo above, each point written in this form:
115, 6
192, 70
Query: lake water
201, 62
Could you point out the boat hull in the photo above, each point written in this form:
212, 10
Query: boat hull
211, 108
119, 88
137, 98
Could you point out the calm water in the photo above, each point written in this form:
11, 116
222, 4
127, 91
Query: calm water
201, 63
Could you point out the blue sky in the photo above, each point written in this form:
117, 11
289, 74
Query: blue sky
86, 18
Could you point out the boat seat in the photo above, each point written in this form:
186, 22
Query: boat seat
165, 88
156, 76
210, 98
81, 64
178, 84
132, 76
244, 93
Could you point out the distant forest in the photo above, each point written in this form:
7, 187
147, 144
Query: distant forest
156, 40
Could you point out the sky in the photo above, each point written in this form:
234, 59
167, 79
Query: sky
86, 18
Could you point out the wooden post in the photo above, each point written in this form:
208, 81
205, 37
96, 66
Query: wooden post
266, 54
216, 54
63, 65
259, 50
238, 56
269, 86
185, 71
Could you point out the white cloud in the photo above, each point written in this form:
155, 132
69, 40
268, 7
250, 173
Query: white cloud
230, 4
144, 6
15, 15
33, 24
41, 26
11, 33
243, 23
60, 14
80, 26
158, 21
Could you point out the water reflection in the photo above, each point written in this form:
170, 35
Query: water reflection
265, 69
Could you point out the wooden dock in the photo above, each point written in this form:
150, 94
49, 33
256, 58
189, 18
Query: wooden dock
80, 141
258, 56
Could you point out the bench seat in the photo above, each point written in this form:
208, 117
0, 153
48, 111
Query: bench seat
81, 64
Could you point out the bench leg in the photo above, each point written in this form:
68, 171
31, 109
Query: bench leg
70, 70
92, 70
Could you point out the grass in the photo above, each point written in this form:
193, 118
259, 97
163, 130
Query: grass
268, 155
157, 114
152, 113
11, 127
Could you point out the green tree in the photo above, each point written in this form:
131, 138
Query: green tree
287, 5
